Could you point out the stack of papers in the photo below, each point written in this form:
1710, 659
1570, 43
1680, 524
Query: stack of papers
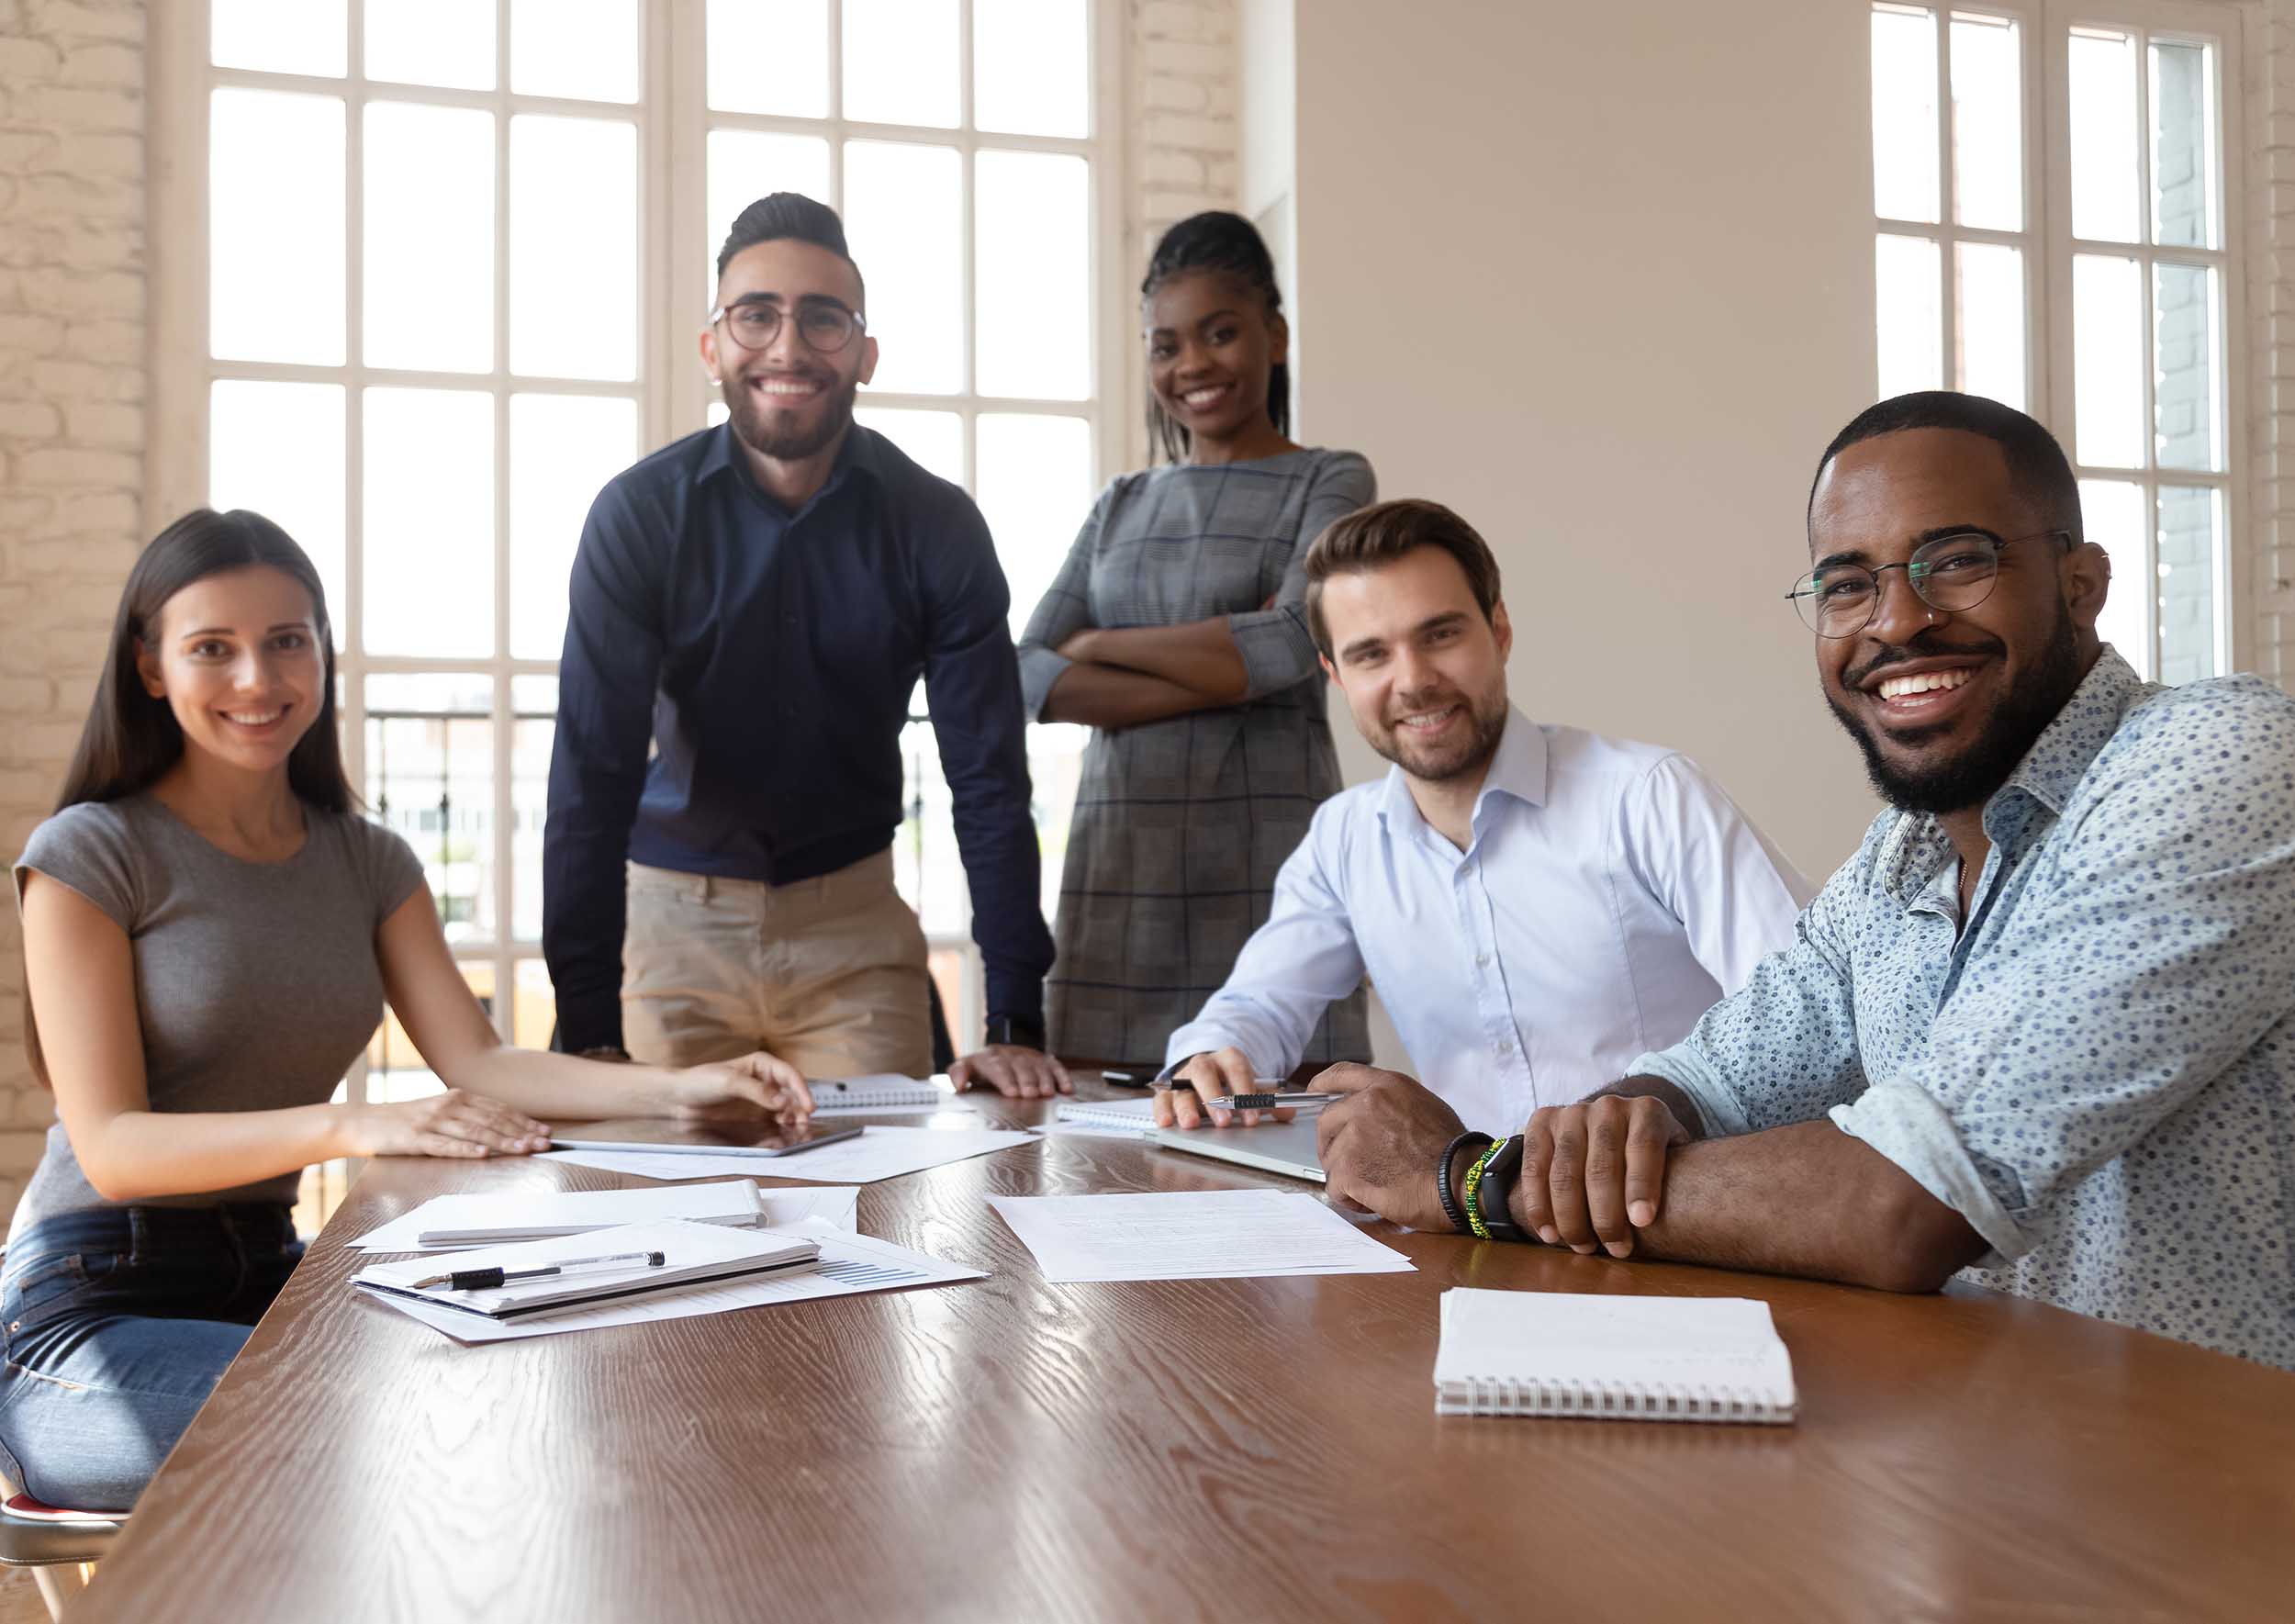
693, 1254
848, 1265
878, 1153
1191, 1235
449, 1221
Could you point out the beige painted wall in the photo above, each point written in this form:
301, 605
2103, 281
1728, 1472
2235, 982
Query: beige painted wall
1600, 277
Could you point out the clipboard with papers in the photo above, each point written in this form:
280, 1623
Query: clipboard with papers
694, 1254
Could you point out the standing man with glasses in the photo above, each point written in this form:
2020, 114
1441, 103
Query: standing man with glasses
2041, 1027
755, 602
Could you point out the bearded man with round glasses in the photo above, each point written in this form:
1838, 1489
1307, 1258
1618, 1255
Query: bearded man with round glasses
2041, 1027
755, 603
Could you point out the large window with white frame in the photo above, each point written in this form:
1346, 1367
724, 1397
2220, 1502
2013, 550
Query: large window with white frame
434, 271
2051, 230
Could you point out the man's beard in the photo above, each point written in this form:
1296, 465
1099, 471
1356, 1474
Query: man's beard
1487, 717
1975, 775
792, 441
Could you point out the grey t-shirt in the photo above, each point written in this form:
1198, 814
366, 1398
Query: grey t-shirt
256, 983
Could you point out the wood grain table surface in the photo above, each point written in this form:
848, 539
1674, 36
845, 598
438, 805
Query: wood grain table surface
1009, 1449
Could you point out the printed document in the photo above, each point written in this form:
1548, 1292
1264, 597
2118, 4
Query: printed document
1191, 1235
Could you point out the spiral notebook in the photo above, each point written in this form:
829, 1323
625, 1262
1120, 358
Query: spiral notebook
1644, 1359
878, 1093
1135, 1118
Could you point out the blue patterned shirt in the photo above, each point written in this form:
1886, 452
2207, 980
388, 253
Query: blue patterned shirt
2096, 1073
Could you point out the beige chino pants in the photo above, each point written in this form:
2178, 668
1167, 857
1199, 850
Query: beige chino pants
827, 974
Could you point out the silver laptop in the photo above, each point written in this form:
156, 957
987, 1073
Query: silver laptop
1286, 1148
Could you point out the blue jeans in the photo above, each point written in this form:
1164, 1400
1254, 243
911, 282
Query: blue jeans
118, 1324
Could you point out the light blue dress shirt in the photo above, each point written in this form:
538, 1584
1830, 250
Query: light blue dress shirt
1611, 893
2096, 1072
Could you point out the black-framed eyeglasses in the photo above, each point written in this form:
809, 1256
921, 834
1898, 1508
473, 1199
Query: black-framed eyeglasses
1949, 573
824, 325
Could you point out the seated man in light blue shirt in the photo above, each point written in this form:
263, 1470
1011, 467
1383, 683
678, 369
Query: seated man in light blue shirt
1535, 904
2042, 1026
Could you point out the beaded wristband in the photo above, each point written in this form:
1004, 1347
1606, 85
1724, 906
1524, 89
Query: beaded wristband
1469, 1197
1494, 1196
1442, 1179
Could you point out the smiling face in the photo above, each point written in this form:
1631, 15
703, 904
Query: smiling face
787, 400
236, 658
1211, 347
1945, 705
1422, 671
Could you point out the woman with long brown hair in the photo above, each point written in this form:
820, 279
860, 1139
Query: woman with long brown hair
210, 934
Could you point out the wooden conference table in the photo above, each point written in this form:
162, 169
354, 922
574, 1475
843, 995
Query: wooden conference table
1008, 1449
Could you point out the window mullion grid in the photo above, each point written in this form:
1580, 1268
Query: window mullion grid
499, 385
675, 398
968, 154
352, 661
967, 194
1947, 254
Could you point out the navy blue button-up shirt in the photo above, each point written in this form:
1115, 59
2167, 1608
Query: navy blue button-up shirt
769, 658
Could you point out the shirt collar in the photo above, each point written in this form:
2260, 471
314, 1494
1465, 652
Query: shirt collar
859, 451
2069, 744
2049, 772
1518, 767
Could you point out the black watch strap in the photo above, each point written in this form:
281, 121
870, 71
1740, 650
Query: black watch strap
1496, 1190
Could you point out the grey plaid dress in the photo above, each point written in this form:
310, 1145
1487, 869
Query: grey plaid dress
1181, 825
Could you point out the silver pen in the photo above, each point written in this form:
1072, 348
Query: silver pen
1273, 1100
487, 1280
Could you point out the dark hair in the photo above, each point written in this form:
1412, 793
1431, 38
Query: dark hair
1215, 240
2038, 470
1386, 532
132, 738
785, 216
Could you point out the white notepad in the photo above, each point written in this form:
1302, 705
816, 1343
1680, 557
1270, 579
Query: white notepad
1135, 1118
1650, 1359
487, 1219
534, 1215
884, 1091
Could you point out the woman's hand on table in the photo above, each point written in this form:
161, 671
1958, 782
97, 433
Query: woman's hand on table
454, 1124
749, 1089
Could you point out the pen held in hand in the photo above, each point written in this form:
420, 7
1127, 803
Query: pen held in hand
1271, 1102
487, 1280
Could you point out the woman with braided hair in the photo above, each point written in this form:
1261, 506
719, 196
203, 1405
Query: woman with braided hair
1176, 631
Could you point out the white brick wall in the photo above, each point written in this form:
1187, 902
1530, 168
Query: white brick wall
1184, 67
2270, 216
72, 390
1183, 88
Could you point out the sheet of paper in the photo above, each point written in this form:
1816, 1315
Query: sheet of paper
849, 1264
1191, 1235
878, 1153
780, 1208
